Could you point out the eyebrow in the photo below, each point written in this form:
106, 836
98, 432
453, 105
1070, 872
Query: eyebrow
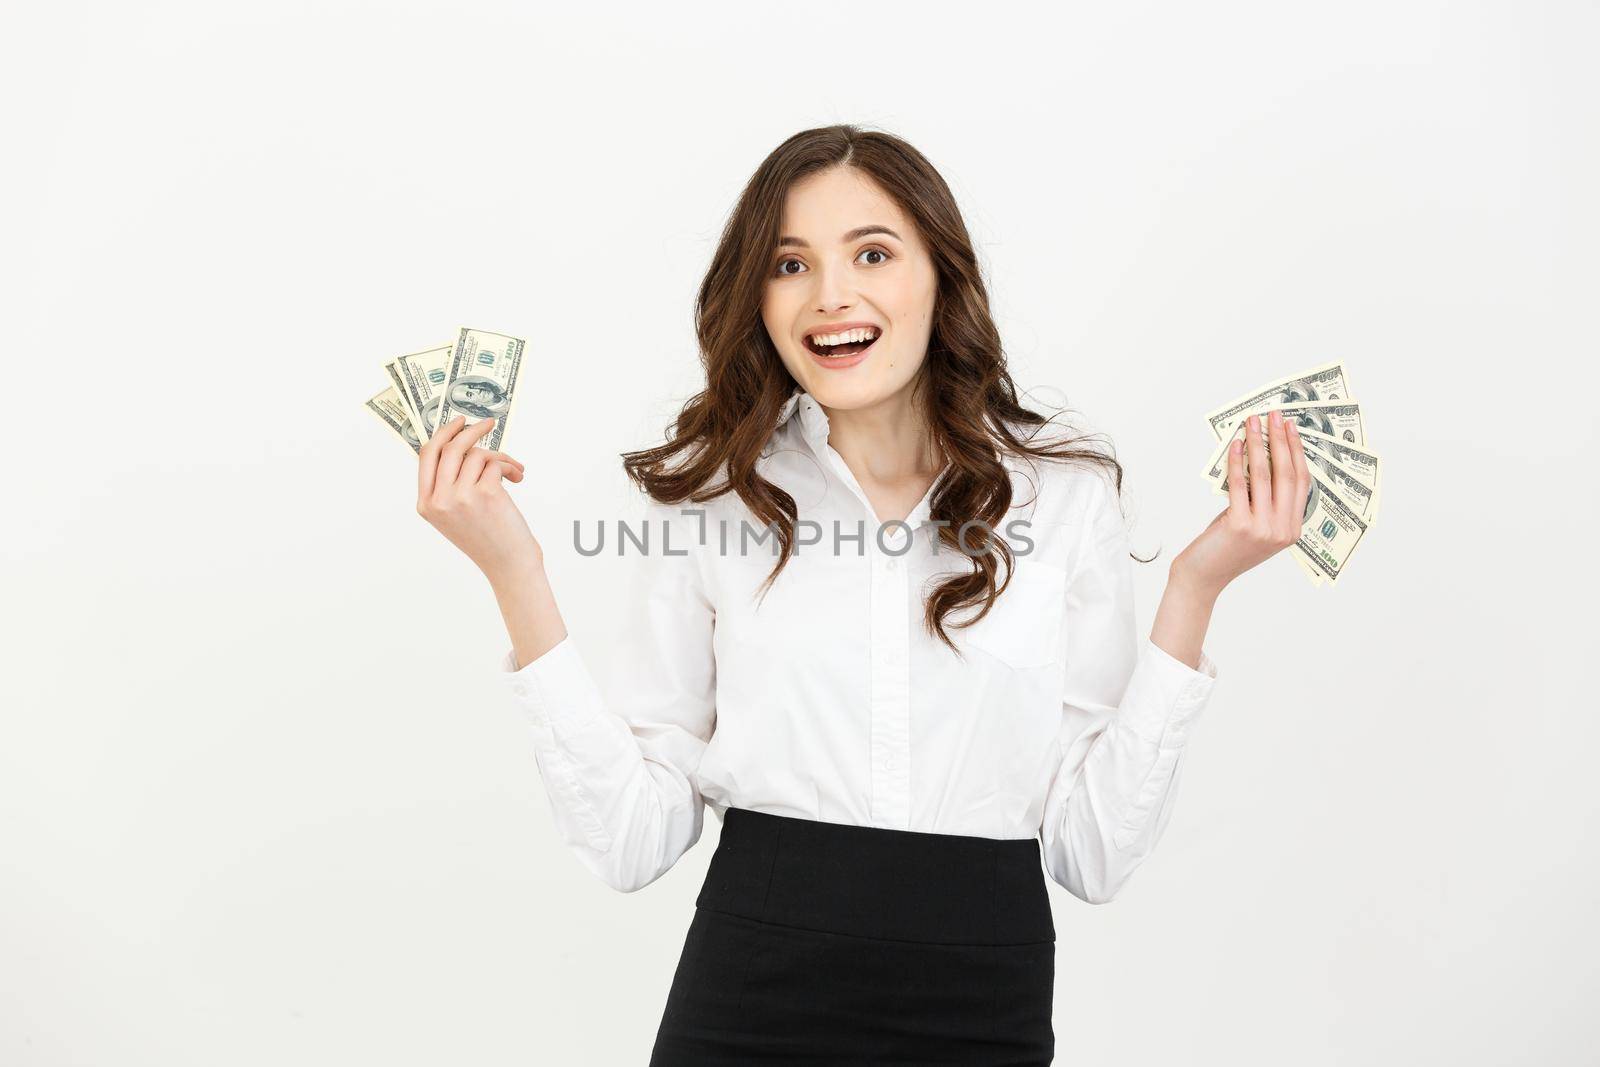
858, 232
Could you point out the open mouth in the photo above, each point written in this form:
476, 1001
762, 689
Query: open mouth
846, 344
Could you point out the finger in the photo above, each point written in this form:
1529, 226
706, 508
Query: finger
428, 457
499, 469
1282, 468
1302, 472
472, 466
514, 460
1238, 499
1260, 478
445, 432
456, 451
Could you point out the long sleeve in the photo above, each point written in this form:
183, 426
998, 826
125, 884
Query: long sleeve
1127, 707
618, 763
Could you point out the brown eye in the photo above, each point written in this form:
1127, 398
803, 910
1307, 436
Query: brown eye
785, 262
879, 251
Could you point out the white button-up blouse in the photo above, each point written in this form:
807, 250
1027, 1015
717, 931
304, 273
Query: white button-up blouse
829, 700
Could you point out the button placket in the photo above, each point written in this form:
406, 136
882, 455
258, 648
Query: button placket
891, 690
889, 697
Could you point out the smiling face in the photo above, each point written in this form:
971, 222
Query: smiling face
828, 272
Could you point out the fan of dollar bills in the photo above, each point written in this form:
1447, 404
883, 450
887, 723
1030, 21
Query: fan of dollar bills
1343, 503
475, 377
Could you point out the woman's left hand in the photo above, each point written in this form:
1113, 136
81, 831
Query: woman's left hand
1260, 520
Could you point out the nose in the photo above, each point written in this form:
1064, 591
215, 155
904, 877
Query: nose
835, 289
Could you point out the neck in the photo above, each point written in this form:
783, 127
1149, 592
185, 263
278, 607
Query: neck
887, 443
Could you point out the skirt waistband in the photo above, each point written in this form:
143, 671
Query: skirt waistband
871, 881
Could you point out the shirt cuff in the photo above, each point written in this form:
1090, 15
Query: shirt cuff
556, 688
1165, 695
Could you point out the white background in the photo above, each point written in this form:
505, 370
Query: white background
261, 799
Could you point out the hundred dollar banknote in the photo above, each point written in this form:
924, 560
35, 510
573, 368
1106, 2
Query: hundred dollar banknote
388, 406
481, 381
1360, 462
422, 378
1330, 531
392, 369
1327, 382
1335, 418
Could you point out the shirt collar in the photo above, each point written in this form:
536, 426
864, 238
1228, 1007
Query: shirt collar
813, 420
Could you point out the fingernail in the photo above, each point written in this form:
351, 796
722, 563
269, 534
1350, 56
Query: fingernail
1277, 417
1294, 427
1255, 423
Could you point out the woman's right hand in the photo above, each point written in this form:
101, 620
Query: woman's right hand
459, 492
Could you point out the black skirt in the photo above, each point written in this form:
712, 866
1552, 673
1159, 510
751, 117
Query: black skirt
817, 942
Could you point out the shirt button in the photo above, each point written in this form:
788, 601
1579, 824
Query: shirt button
893, 563
888, 764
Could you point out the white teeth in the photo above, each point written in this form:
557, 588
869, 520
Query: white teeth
864, 333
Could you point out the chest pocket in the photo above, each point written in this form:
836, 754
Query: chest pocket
1023, 628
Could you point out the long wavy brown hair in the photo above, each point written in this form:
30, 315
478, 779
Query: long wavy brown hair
963, 387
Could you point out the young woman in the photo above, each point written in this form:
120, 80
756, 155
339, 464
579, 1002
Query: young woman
884, 627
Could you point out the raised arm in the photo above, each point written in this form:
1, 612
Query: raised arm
1126, 709
1128, 705
617, 765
